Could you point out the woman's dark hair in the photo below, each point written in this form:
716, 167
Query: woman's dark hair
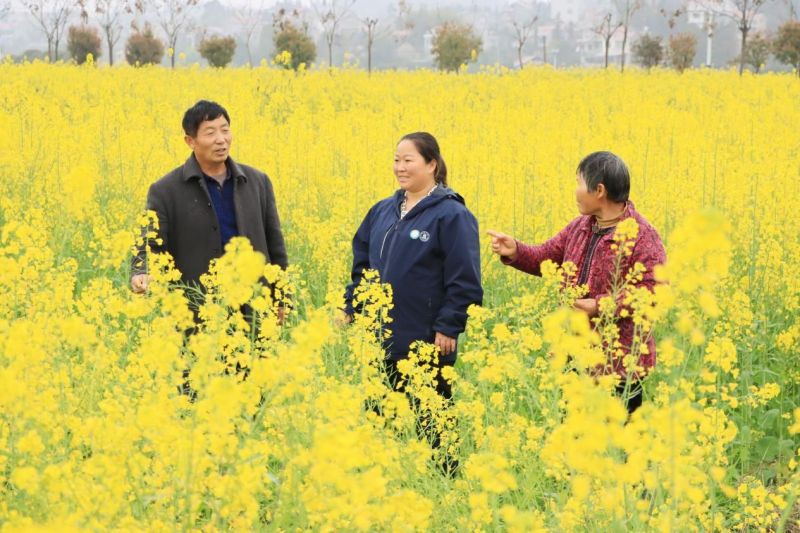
608, 169
201, 112
428, 148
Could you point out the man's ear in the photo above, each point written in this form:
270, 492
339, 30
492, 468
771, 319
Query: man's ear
189, 141
601, 191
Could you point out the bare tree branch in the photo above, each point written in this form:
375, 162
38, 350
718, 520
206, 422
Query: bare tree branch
626, 10
371, 28
5, 8
405, 22
742, 12
174, 17
794, 8
606, 30
51, 16
672, 16
522, 32
330, 14
109, 14
250, 17
374, 31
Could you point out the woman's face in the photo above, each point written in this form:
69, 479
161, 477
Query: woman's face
413, 173
589, 202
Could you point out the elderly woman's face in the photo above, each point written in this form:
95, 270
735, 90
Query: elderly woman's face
412, 171
588, 201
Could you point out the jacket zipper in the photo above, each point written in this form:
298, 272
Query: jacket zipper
391, 245
389, 251
384, 241
587, 262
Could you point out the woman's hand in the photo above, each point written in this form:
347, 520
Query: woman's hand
139, 283
341, 319
446, 345
503, 245
587, 305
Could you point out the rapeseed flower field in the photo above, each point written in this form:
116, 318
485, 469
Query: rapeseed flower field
94, 435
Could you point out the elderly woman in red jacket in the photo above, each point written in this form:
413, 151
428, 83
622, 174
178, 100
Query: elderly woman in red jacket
603, 184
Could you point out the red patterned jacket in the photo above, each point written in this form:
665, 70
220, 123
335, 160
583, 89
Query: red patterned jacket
572, 244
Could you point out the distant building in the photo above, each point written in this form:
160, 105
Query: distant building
575, 10
591, 47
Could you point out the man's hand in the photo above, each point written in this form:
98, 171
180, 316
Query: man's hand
281, 316
139, 283
587, 305
503, 245
446, 345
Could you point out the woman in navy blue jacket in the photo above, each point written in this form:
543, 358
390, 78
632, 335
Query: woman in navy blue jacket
424, 242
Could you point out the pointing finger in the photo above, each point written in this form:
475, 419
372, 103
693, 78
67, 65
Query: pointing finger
499, 238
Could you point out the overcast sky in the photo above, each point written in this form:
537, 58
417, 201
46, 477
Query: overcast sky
359, 4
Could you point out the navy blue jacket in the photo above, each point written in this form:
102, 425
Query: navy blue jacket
431, 258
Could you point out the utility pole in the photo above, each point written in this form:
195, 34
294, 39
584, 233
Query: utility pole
544, 49
709, 25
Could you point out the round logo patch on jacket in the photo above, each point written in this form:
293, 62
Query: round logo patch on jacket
423, 236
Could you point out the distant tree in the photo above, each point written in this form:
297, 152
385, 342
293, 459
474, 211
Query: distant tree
672, 16
743, 13
29, 55
626, 9
330, 14
250, 17
682, 49
108, 15
606, 30
144, 48
786, 44
455, 44
217, 50
759, 48
5, 8
51, 16
174, 17
523, 30
292, 37
793, 8
371, 28
405, 21
561, 42
83, 40
648, 51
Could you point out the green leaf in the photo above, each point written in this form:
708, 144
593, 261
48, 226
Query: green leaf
770, 419
767, 448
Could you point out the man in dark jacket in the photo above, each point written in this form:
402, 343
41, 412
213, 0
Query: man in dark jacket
208, 200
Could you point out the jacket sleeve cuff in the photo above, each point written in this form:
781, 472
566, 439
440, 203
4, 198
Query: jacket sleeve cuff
449, 326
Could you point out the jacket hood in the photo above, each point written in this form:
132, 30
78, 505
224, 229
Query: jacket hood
439, 194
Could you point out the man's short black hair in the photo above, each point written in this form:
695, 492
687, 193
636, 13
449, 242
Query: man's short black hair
199, 113
608, 169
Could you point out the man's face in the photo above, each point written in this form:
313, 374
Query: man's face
212, 142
